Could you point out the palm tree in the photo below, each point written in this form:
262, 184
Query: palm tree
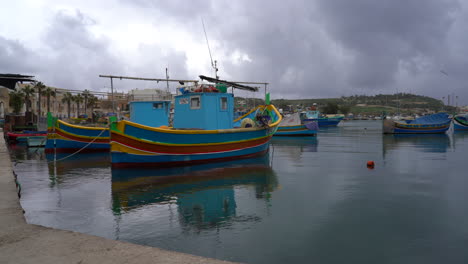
68, 99
78, 99
92, 100
86, 95
48, 92
28, 93
16, 101
39, 88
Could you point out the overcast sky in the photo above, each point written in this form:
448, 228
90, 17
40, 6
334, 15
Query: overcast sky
305, 49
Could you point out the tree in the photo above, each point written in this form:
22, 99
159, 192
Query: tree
86, 95
92, 100
68, 99
39, 87
28, 93
344, 109
17, 101
78, 99
48, 92
330, 108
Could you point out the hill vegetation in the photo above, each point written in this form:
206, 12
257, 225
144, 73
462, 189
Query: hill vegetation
404, 103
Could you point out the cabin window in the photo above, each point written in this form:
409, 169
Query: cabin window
195, 102
158, 106
224, 103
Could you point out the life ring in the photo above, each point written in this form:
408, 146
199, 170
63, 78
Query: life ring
247, 122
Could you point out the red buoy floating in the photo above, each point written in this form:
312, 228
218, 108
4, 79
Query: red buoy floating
370, 164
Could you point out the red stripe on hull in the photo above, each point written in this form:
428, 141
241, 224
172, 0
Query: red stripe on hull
186, 149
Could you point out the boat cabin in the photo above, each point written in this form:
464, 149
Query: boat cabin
150, 113
204, 110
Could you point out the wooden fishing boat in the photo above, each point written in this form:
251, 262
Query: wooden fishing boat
322, 121
430, 124
63, 137
36, 141
460, 123
23, 135
291, 126
202, 132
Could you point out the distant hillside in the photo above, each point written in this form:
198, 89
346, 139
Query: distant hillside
375, 105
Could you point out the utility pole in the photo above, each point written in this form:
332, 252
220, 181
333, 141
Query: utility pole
112, 94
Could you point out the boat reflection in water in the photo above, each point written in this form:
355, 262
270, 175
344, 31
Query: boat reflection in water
434, 143
66, 162
205, 195
293, 148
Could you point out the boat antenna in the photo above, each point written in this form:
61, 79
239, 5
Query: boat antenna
213, 64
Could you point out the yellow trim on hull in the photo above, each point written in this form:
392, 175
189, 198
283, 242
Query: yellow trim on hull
79, 136
81, 127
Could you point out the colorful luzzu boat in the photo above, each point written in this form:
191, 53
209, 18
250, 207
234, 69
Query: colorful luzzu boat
322, 121
291, 126
202, 132
63, 137
460, 123
430, 124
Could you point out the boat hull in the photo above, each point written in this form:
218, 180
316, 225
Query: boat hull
309, 129
459, 124
63, 137
392, 127
325, 122
36, 141
136, 145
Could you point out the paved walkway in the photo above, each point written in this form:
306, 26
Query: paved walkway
25, 243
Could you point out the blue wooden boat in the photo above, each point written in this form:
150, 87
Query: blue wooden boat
429, 124
63, 137
291, 126
203, 132
460, 123
322, 121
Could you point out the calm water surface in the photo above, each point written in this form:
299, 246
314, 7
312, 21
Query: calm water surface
308, 201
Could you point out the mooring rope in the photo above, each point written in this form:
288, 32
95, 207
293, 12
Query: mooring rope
78, 151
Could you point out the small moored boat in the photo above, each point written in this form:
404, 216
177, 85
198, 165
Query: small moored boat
429, 124
291, 126
65, 137
322, 120
460, 123
36, 141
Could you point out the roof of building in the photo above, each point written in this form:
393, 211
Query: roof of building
9, 80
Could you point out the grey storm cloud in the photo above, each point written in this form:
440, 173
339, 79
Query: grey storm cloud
330, 48
305, 49
15, 57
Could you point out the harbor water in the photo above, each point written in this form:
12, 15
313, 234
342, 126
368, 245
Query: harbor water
309, 200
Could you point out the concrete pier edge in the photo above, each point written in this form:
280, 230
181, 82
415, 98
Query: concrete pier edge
21, 242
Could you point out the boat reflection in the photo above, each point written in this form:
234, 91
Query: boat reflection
460, 138
436, 143
303, 144
20, 152
293, 148
205, 195
66, 162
